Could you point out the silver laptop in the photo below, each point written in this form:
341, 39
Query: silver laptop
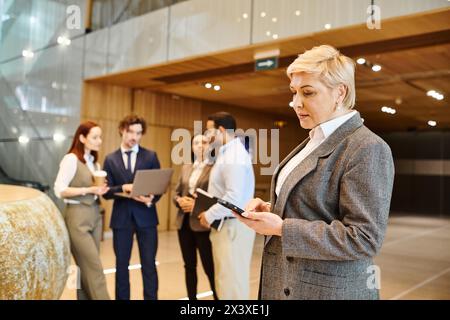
153, 181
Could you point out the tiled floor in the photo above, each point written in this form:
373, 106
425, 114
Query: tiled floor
414, 263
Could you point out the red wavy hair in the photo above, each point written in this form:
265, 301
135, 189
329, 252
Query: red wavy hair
77, 146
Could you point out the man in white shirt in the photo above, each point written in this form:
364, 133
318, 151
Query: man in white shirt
233, 180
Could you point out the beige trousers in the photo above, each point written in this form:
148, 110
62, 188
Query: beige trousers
232, 248
84, 224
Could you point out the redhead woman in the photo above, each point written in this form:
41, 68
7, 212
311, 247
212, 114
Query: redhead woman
74, 184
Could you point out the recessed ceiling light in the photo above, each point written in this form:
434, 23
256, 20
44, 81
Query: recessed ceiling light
27, 53
275, 36
245, 16
58, 137
297, 12
376, 67
361, 61
274, 19
268, 33
208, 85
263, 14
327, 26
24, 139
435, 94
432, 123
217, 87
388, 110
62, 40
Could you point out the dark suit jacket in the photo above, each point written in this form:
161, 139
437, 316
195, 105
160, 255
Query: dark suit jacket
335, 206
182, 189
125, 209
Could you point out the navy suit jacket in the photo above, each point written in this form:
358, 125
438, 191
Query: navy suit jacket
125, 209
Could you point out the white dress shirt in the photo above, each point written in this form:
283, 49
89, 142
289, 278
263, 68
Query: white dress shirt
317, 135
197, 169
133, 155
67, 170
231, 179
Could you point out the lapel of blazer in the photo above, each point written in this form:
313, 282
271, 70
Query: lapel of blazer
203, 176
273, 196
186, 176
309, 164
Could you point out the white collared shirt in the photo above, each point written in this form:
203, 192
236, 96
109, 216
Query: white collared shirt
231, 179
317, 135
67, 171
133, 155
197, 169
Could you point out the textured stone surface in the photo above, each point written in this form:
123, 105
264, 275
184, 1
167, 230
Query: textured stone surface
34, 245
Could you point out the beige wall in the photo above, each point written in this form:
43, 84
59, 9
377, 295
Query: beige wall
107, 105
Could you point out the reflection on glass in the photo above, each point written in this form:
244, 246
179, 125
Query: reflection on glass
106, 13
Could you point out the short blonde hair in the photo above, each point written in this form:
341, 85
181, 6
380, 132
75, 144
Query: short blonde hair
333, 67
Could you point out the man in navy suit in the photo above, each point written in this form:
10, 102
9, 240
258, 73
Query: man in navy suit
132, 215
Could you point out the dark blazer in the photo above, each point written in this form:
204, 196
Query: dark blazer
125, 209
335, 206
182, 190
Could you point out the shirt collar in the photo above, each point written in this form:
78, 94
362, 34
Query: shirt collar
228, 144
324, 130
201, 164
135, 149
89, 157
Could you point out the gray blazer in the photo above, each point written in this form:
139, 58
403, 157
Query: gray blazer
182, 189
335, 206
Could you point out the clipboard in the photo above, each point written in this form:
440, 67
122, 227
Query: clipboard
203, 203
205, 200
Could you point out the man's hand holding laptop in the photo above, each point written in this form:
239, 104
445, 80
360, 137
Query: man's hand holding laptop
147, 200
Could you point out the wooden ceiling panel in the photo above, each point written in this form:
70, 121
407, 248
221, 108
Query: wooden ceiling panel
414, 53
440, 84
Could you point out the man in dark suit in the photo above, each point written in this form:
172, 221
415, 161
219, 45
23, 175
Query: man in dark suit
132, 215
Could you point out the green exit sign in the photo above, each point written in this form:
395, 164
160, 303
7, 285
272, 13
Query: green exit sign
266, 64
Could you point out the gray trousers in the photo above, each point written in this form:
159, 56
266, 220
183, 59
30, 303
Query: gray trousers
84, 224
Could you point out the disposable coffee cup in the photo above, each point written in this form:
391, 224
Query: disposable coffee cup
99, 178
